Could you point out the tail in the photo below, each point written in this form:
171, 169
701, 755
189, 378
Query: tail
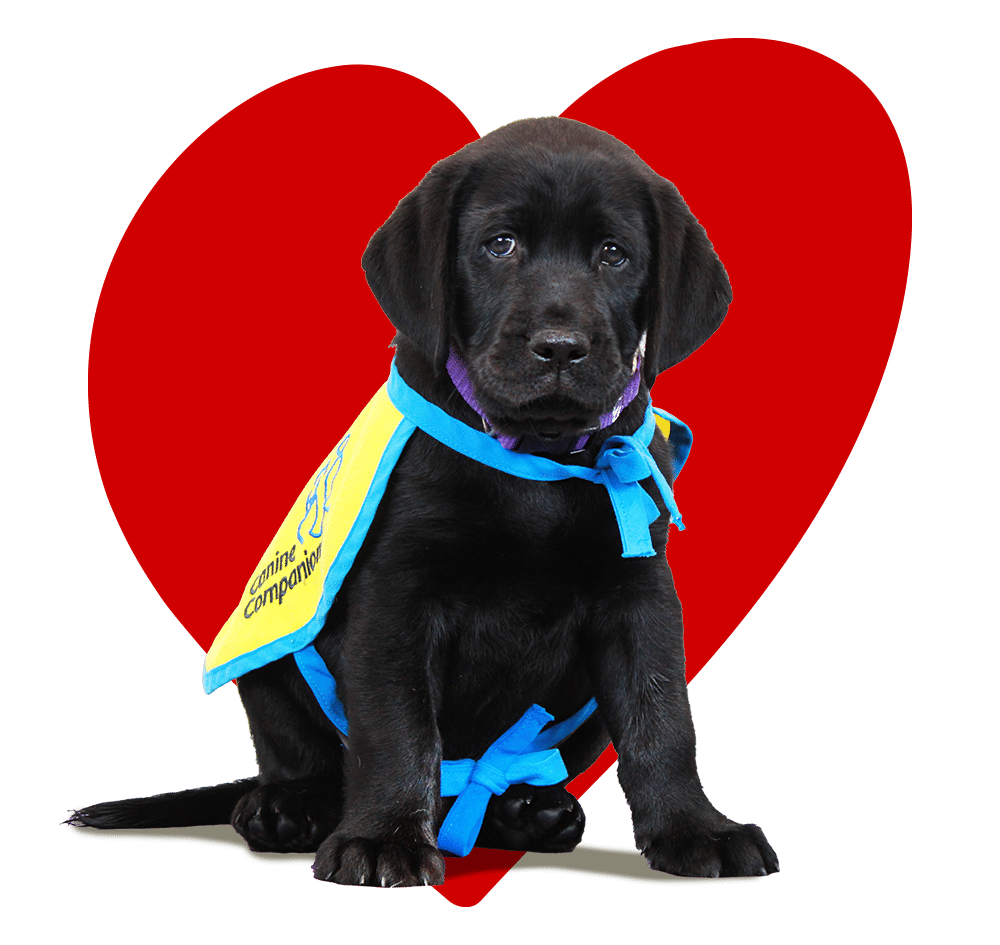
198, 807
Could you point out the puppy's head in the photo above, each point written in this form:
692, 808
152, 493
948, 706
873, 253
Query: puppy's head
550, 256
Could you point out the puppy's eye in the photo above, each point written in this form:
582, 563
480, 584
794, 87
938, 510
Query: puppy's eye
502, 245
612, 254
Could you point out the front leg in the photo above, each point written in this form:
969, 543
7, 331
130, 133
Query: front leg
386, 836
637, 665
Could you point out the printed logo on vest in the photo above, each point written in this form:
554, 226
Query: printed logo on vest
328, 473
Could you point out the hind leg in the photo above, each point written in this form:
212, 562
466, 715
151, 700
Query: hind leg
541, 819
287, 816
299, 799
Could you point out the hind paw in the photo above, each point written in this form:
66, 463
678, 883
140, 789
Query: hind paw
287, 817
541, 819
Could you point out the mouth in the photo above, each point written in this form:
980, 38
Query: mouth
548, 419
551, 408
553, 433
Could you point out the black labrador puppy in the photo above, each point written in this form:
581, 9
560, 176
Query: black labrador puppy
558, 269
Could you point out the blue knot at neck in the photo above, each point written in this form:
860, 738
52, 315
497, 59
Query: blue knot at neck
622, 463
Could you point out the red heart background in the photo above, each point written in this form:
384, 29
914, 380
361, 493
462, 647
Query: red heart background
238, 284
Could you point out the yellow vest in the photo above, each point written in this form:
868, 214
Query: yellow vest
287, 599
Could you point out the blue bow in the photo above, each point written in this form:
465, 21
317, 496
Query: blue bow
524, 754
622, 463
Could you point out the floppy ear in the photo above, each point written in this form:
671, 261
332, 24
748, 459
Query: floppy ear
689, 290
407, 264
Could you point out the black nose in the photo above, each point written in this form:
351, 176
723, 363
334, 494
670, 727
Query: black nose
559, 347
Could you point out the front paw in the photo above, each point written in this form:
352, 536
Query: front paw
359, 861
724, 848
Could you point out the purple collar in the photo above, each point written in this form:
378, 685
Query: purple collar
459, 375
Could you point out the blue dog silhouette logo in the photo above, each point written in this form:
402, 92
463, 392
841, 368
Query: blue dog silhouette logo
315, 506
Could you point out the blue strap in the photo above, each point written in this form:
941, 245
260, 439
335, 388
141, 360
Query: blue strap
621, 463
324, 687
554, 734
524, 754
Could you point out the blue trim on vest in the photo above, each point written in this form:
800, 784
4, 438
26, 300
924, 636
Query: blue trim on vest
324, 687
680, 440
524, 754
